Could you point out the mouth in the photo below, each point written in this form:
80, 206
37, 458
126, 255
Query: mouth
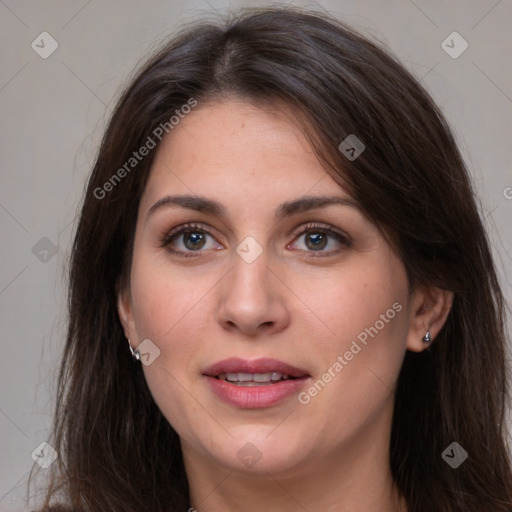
264, 371
254, 379
251, 384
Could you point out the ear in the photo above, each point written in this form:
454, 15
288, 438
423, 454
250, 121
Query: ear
125, 312
429, 311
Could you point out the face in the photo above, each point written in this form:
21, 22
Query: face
271, 277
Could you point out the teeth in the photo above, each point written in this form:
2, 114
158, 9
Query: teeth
238, 377
261, 377
253, 378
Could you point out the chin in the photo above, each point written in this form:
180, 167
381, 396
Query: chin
255, 451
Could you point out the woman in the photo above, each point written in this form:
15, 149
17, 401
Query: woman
281, 294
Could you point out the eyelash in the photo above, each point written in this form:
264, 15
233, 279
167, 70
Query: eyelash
313, 227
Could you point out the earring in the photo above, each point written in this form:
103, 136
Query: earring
135, 354
426, 338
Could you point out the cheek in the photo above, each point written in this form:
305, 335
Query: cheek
369, 295
167, 301
367, 316
169, 309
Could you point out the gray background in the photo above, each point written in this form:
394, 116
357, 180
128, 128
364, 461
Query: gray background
53, 112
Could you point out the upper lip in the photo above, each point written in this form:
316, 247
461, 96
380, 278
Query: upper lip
263, 365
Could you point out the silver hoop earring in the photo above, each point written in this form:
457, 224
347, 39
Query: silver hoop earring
426, 338
135, 354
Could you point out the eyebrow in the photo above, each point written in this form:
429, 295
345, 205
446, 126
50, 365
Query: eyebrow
287, 209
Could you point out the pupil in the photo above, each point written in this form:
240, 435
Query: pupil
319, 241
196, 239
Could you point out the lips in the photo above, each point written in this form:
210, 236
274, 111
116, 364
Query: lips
254, 384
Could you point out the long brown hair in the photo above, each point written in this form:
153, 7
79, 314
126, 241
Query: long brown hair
116, 450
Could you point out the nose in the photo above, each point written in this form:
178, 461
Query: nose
252, 300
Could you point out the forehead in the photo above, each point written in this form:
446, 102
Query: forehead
231, 148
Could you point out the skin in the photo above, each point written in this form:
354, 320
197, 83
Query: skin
291, 304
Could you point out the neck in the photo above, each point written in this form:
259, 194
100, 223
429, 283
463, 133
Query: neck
231, 492
354, 477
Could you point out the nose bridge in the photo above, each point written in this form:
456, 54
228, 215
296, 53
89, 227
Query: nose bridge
250, 299
249, 279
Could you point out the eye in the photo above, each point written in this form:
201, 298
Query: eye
189, 238
193, 238
321, 239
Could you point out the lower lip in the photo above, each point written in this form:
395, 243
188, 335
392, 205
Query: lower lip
255, 397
